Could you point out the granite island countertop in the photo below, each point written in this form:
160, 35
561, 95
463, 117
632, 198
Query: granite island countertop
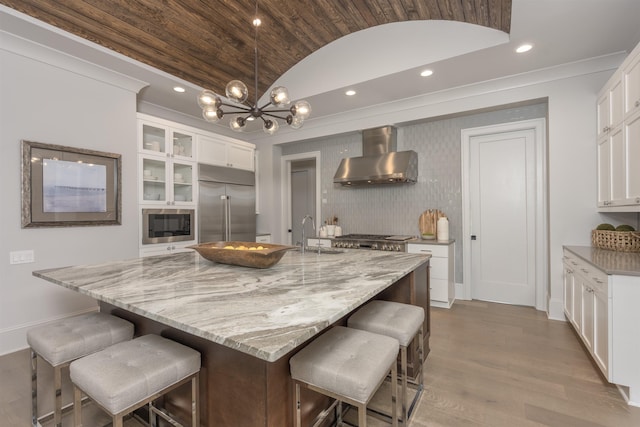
262, 312
611, 262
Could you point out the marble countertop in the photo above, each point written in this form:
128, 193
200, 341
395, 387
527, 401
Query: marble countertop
611, 262
262, 312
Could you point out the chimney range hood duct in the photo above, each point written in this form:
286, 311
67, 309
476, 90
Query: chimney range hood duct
380, 162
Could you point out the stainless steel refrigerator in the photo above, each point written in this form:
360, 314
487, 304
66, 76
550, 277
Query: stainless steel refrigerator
226, 204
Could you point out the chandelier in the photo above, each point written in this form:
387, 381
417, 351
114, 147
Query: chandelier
236, 91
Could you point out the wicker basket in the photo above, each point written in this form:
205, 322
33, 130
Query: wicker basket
621, 241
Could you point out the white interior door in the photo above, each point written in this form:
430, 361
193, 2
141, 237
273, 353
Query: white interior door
502, 191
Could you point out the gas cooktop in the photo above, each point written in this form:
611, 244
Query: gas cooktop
380, 242
374, 237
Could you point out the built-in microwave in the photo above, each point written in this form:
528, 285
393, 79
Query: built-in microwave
167, 225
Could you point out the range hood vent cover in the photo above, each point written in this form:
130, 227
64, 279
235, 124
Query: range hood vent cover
380, 163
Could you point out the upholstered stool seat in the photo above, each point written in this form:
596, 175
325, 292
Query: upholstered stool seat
65, 340
403, 322
128, 375
348, 365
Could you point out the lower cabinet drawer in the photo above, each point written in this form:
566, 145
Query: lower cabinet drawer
433, 250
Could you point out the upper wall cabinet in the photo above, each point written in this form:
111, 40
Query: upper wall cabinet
216, 150
618, 120
160, 139
166, 164
631, 77
610, 106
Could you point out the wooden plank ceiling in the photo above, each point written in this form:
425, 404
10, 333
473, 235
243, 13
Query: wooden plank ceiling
210, 42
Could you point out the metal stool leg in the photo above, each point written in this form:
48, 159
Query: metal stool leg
403, 377
394, 393
153, 417
421, 356
362, 415
77, 407
57, 382
34, 388
195, 392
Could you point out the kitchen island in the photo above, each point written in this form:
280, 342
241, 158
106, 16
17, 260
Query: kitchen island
246, 322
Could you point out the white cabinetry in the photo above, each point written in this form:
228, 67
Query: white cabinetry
166, 166
610, 105
590, 299
618, 121
169, 248
632, 145
168, 154
603, 309
323, 243
263, 238
225, 152
631, 78
441, 274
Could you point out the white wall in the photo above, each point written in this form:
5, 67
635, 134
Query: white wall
571, 94
70, 104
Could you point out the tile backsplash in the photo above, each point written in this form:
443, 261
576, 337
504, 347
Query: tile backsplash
395, 209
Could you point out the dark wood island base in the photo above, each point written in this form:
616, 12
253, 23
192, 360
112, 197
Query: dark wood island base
240, 390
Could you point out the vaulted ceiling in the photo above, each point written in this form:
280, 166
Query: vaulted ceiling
210, 42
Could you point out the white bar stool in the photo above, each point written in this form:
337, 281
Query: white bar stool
401, 321
63, 341
348, 365
131, 374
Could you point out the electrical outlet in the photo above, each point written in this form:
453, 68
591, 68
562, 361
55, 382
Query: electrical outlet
21, 257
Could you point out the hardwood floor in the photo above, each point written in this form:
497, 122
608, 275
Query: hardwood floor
490, 365
501, 365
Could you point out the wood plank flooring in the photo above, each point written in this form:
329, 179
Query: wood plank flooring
490, 365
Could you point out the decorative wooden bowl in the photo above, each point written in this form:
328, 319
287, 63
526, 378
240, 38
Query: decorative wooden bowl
241, 255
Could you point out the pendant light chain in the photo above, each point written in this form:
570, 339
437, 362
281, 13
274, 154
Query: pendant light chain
237, 92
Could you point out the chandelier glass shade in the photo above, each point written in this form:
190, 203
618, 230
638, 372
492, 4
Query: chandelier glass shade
278, 107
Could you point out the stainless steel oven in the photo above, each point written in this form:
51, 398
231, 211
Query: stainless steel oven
167, 225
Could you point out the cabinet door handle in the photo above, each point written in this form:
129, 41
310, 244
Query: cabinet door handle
427, 251
637, 104
584, 270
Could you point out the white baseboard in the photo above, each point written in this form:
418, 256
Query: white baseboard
460, 291
15, 338
556, 310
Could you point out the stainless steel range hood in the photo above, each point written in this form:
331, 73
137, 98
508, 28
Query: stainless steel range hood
380, 162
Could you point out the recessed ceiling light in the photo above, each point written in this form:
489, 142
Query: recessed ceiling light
426, 73
524, 48
350, 92
179, 89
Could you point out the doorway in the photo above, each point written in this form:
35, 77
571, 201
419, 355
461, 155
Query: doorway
300, 175
303, 200
504, 219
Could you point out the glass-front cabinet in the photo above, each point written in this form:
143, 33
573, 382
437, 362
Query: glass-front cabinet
166, 165
166, 181
158, 139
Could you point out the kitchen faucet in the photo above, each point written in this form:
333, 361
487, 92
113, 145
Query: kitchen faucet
304, 241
